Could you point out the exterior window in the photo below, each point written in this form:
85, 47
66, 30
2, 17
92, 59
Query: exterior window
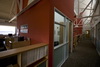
59, 29
5, 30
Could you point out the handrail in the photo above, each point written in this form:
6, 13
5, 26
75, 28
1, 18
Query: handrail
20, 50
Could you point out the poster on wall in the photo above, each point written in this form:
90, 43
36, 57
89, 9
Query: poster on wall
24, 28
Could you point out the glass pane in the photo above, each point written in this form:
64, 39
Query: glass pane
67, 30
58, 56
59, 18
58, 34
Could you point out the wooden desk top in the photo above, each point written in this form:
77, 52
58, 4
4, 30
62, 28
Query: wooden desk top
20, 50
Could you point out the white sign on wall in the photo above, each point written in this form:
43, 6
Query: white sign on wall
24, 28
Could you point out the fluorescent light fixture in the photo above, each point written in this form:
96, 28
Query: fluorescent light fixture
13, 19
76, 26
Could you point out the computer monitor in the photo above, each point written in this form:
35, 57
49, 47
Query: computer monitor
21, 38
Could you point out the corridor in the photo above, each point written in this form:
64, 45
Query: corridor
84, 55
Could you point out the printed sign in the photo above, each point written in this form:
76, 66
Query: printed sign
24, 28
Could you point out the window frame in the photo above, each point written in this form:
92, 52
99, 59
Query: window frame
64, 25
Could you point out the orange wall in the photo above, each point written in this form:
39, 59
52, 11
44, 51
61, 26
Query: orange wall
66, 7
40, 20
78, 30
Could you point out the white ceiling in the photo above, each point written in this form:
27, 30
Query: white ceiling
79, 7
7, 9
82, 5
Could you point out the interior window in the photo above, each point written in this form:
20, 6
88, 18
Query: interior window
59, 31
59, 18
59, 27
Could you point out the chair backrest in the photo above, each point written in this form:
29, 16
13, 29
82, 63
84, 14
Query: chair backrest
21, 38
8, 42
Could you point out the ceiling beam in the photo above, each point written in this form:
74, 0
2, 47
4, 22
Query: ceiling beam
91, 7
12, 7
87, 6
78, 8
23, 10
87, 9
99, 7
82, 1
87, 17
95, 8
90, 16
